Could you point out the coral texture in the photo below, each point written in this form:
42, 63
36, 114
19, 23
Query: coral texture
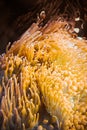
45, 66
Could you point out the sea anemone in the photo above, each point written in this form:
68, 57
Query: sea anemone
46, 66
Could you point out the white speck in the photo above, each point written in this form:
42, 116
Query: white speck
76, 30
77, 19
80, 38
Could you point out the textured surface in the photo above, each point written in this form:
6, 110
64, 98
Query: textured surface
47, 66
16, 16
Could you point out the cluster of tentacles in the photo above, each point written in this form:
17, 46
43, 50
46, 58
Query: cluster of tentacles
46, 66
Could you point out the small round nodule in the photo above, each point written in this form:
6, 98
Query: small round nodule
40, 127
51, 127
42, 15
45, 121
